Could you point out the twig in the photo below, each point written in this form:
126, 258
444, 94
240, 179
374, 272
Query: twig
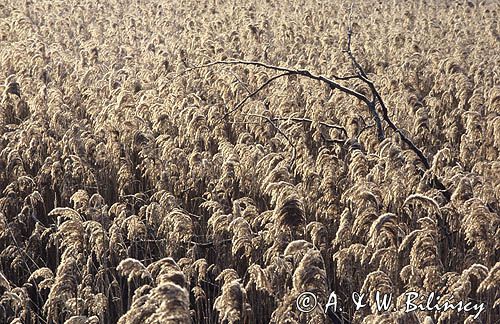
209, 244
307, 120
372, 106
239, 81
349, 27
242, 102
270, 121
363, 129
332, 140
345, 78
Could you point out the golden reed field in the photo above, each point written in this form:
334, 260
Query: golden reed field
249, 162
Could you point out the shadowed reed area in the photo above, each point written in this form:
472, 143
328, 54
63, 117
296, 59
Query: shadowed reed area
143, 182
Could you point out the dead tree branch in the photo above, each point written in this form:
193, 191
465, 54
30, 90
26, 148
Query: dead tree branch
363, 129
270, 121
334, 85
239, 81
310, 121
376, 99
371, 104
209, 244
242, 102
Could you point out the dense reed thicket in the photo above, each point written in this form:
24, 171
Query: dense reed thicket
129, 195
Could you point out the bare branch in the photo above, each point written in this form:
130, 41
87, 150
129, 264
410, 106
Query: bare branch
364, 128
376, 97
378, 122
332, 140
349, 27
270, 121
305, 73
307, 120
242, 102
346, 78
239, 81
371, 104
210, 244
